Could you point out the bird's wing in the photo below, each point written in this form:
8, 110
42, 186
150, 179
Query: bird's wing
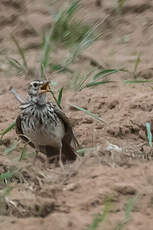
20, 132
48, 150
68, 127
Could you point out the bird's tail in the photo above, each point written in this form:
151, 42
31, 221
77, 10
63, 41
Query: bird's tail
68, 152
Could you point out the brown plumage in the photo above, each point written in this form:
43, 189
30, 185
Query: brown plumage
44, 126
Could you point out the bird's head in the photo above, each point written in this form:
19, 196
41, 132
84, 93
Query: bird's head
37, 91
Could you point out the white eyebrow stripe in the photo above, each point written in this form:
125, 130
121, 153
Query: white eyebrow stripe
37, 82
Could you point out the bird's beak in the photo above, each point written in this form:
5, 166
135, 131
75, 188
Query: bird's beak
44, 87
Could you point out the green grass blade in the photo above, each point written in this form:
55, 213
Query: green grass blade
23, 153
137, 64
54, 97
120, 4
6, 176
59, 68
83, 151
43, 72
82, 84
119, 226
93, 115
95, 83
21, 52
88, 39
59, 15
12, 147
59, 99
129, 208
101, 217
76, 80
72, 9
149, 134
8, 129
106, 72
46, 49
13, 62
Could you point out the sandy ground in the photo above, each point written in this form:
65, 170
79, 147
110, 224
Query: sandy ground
39, 197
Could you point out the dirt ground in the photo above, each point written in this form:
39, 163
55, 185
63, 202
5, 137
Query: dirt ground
118, 165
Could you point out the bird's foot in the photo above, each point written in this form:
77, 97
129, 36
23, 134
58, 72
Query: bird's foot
61, 164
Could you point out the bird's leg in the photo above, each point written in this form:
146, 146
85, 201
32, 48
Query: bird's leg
60, 157
98, 3
36, 155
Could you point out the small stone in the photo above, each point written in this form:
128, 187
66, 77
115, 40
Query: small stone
125, 189
70, 187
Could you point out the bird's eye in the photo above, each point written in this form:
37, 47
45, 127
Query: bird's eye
35, 85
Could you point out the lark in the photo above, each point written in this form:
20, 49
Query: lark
44, 126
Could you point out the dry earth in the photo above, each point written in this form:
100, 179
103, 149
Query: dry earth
50, 198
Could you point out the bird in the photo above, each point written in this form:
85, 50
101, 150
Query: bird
44, 126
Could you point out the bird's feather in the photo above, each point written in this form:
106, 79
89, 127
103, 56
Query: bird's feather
68, 152
69, 135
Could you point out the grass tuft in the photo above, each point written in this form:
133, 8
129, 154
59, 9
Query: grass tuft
59, 100
127, 215
68, 31
8, 129
101, 217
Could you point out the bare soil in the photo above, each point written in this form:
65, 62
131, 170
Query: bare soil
118, 165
